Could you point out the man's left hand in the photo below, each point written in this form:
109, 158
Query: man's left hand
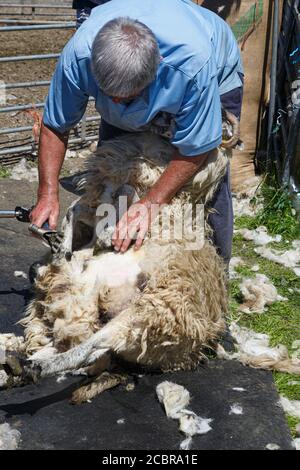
134, 225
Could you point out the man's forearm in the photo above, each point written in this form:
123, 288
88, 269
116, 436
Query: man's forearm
52, 151
179, 171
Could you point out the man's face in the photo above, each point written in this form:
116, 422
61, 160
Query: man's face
127, 100
118, 100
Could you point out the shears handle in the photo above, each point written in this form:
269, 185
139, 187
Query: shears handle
23, 215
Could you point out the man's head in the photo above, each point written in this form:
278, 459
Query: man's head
125, 57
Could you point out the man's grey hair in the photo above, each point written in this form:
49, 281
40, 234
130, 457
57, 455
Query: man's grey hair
125, 57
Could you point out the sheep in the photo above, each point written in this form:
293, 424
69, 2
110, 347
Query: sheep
158, 307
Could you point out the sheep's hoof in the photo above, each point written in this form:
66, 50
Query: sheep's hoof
14, 364
105, 381
19, 371
18, 366
79, 397
31, 372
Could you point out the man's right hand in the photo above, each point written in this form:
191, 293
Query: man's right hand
52, 151
46, 210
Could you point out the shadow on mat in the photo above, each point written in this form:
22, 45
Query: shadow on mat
33, 406
27, 294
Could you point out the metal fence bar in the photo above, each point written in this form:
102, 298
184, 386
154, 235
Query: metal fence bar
83, 129
12, 150
38, 27
93, 118
30, 22
9, 86
29, 57
60, 15
31, 5
30, 148
17, 145
28, 106
16, 130
10, 109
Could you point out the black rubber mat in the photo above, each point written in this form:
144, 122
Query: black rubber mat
46, 419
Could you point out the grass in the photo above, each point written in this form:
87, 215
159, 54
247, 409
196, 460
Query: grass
4, 172
281, 321
277, 215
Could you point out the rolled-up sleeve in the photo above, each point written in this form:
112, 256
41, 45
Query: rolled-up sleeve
198, 124
67, 100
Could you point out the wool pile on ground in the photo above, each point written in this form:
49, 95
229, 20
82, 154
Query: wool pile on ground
258, 292
175, 398
289, 258
9, 437
234, 263
291, 407
20, 274
236, 409
259, 236
253, 349
297, 443
272, 446
247, 203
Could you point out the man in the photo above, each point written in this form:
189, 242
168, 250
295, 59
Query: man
158, 65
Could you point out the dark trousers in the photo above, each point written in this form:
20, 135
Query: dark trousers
221, 221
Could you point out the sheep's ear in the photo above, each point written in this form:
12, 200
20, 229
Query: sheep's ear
128, 191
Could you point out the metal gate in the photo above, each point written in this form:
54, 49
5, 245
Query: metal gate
18, 141
283, 139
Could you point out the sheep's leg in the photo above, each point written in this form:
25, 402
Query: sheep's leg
44, 353
73, 359
105, 381
99, 366
68, 226
111, 337
76, 213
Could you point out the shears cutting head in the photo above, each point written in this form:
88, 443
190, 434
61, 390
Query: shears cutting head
51, 237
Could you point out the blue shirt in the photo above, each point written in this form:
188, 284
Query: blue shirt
200, 62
